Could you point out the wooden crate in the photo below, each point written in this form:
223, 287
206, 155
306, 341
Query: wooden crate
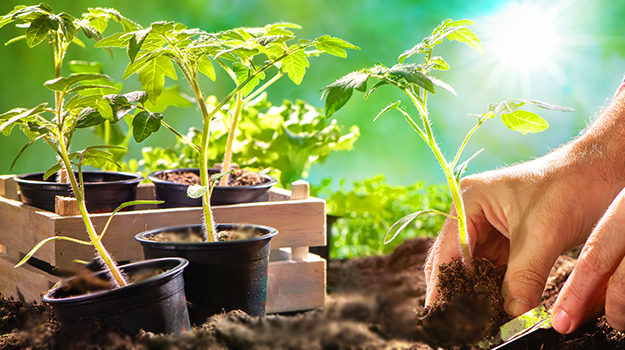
297, 279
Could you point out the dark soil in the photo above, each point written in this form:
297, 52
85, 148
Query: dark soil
191, 236
469, 306
371, 305
238, 177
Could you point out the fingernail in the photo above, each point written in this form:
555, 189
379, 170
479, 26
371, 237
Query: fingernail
518, 306
561, 321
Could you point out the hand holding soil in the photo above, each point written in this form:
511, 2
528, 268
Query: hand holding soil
526, 215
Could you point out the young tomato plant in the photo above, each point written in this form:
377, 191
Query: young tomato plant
80, 100
246, 54
416, 81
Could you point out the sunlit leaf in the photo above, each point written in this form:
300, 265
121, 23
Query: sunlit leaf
38, 30
387, 108
205, 66
466, 36
524, 122
52, 170
152, 76
145, 124
295, 66
47, 240
196, 191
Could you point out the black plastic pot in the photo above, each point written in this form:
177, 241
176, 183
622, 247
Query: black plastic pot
221, 276
104, 190
156, 304
175, 194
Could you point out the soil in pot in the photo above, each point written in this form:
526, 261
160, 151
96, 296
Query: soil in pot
370, 305
243, 186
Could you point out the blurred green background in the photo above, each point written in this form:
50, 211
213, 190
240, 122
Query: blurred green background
567, 52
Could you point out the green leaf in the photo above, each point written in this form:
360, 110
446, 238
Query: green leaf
443, 85
24, 148
334, 46
170, 96
136, 41
412, 75
52, 170
387, 108
524, 122
114, 40
152, 76
242, 73
465, 35
402, 223
126, 205
145, 124
338, 93
47, 240
462, 168
16, 39
38, 30
417, 49
295, 66
196, 191
105, 110
439, 63
79, 42
85, 67
27, 113
63, 83
548, 106
375, 87
508, 106
205, 66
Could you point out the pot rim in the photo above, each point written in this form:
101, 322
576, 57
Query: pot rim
112, 293
139, 236
134, 178
152, 177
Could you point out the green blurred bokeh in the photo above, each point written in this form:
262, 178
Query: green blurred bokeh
587, 68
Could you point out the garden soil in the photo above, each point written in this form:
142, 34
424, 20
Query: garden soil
371, 305
237, 177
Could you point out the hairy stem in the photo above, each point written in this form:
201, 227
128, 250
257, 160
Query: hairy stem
225, 165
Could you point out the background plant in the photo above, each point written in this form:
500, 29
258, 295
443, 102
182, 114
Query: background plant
283, 141
416, 82
82, 99
252, 52
369, 208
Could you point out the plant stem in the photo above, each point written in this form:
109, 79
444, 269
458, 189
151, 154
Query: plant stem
225, 165
454, 187
93, 236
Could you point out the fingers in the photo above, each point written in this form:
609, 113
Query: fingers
599, 260
532, 254
444, 249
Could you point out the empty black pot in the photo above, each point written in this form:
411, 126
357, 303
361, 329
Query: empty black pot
156, 304
175, 194
104, 190
226, 276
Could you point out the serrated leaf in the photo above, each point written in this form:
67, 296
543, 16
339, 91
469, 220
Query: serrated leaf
386, 109
52, 170
145, 124
136, 41
242, 73
27, 113
152, 76
196, 191
205, 66
524, 122
334, 46
38, 30
105, 110
114, 40
295, 66
466, 36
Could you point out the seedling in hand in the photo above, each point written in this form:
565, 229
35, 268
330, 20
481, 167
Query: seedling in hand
416, 81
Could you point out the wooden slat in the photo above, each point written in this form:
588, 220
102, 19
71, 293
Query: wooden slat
8, 187
66, 206
23, 226
25, 283
296, 285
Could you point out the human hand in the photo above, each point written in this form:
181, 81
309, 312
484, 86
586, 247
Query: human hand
599, 273
525, 216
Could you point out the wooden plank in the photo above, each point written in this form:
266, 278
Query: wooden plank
25, 283
296, 285
8, 187
66, 206
23, 226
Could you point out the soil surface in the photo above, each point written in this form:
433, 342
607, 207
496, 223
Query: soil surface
371, 305
191, 236
238, 177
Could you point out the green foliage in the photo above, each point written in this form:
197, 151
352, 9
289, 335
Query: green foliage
284, 140
416, 82
369, 209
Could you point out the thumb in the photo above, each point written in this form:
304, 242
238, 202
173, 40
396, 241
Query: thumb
529, 264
